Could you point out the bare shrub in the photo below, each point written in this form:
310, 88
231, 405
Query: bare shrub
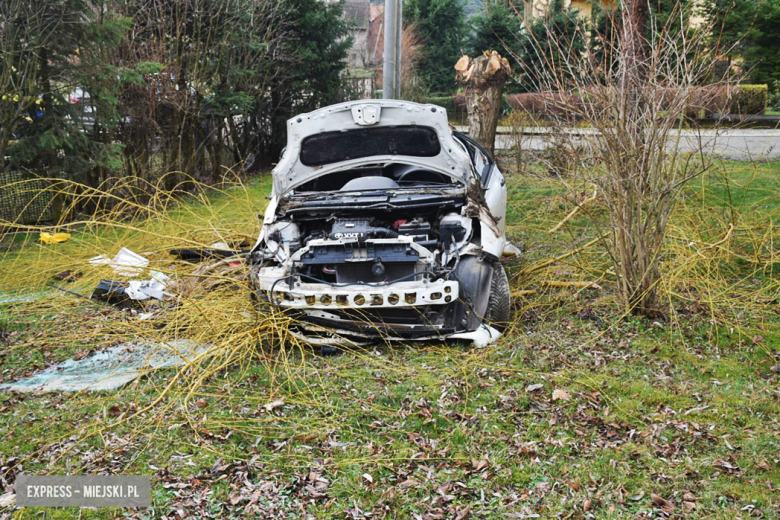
539, 104
517, 121
632, 102
411, 45
708, 101
412, 87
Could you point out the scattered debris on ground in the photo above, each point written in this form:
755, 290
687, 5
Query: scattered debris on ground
579, 411
111, 368
54, 238
126, 262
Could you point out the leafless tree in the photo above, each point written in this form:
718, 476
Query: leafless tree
26, 31
633, 103
195, 108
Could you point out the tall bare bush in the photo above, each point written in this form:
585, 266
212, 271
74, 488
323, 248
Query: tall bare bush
412, 45
517, 121
633, 102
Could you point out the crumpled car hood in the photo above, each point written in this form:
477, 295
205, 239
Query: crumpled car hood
452, 160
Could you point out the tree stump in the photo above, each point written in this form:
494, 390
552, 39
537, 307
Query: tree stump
483, 81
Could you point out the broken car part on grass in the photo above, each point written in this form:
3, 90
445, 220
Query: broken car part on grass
159, 286
111, 368
384, 224
128, 263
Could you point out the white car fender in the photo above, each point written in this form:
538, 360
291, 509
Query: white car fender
492, 227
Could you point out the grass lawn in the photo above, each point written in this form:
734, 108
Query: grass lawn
577, 411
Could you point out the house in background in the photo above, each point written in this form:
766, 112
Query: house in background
358, 15
376, 35
365, 55
536, 8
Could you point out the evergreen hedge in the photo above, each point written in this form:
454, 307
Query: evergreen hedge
750, 99
747, 99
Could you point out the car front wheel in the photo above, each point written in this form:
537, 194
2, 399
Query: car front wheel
497, 313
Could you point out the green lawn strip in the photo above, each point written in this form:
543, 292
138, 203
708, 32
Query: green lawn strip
678, 408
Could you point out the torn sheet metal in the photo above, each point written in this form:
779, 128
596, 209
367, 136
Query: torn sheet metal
111, 368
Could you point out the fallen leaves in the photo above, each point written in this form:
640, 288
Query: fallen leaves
317, 485
587, 505
408, 483
689, 501
731, 469
560, 395
273, 405
479, 466
662, 504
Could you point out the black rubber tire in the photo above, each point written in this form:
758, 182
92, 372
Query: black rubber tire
500, 302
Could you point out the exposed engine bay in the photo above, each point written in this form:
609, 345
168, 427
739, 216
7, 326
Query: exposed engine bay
365, 249
382, 247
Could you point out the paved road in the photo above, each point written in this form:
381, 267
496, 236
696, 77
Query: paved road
737, 145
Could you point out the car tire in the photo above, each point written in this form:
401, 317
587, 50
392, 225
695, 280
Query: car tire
500, 302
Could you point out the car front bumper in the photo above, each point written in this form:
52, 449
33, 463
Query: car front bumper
356, 314
274, 284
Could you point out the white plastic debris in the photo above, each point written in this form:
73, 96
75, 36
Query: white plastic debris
129, 263
126, 262
512, 250
160, 277
482, 337
99, 260
143, 290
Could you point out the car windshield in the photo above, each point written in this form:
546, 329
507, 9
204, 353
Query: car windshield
332, 147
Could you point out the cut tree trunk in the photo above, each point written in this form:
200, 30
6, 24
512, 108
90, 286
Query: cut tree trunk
483, 81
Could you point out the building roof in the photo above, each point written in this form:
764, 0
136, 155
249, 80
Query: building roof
357, 13
376, 34
377, 11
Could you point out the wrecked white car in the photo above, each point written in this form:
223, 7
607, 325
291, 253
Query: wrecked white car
385, 224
